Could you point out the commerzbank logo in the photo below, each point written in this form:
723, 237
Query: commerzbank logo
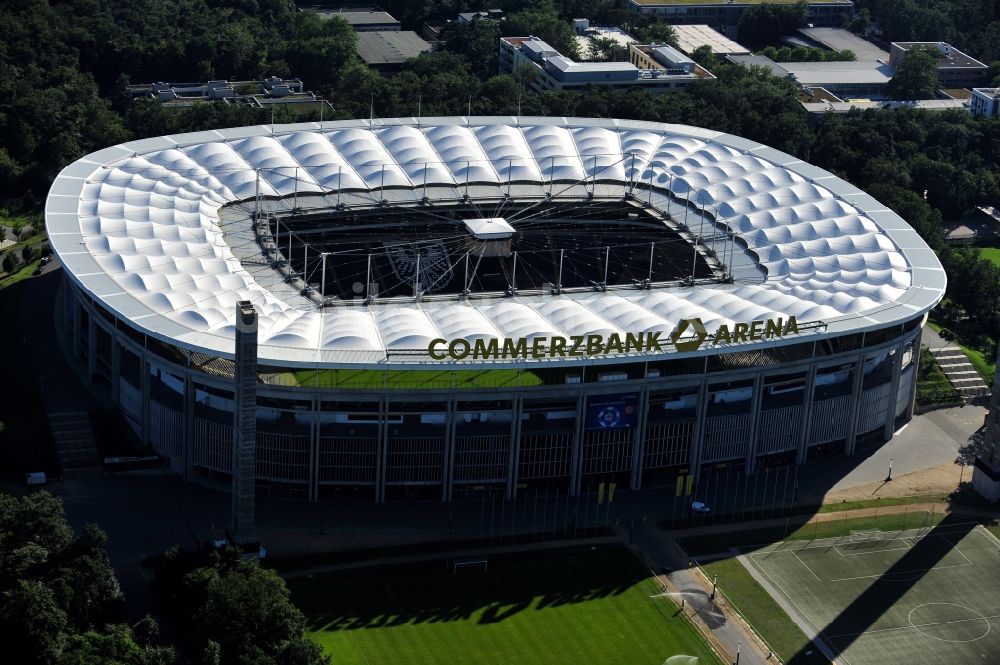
697, 327
691, 334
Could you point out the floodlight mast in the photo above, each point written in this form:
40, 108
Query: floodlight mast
562, 252
368, 281
322, 286
465, 282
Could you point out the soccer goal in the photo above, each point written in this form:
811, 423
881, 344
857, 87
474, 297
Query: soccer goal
473, 562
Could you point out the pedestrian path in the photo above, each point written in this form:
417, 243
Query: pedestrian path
960, 372
726, 632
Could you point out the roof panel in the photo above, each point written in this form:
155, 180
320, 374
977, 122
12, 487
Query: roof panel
137, 226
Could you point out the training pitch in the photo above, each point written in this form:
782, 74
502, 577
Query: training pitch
924, 596
582, 607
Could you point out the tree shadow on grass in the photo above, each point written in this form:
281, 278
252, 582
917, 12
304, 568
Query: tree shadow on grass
422, 595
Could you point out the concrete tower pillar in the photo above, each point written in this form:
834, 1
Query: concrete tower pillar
245, 424
986, 472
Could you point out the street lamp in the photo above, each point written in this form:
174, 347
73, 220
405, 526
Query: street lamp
889, 477
739, 647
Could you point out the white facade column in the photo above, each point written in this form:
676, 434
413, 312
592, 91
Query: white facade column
448, 472
751, 459
383, 450
890, 417
802, 454
188, 443
698, 434
314, 458
514, 450
144, 411
91, 346
856, 397
576, 456
639, 439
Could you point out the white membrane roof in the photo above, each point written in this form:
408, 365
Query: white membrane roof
137, 227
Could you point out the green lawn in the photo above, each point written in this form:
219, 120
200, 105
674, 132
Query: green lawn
407, 379
991, 254
580, 607
765, 615
875, 503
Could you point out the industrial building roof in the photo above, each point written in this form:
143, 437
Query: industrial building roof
759, 61
390, 47
690, 37
158, 231
838, 39
947, 55
843, 73
926, 104
360, 18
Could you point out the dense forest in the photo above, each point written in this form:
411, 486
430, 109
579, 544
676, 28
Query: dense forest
64, 65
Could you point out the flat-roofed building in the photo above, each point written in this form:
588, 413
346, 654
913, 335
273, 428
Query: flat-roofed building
838, 39
361, 21
955, 68
864, 105
725, 16
390, 49
586, 35
985, 102
557, 72
691, 37
843, 79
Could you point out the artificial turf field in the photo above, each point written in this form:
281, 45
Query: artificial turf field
919, 597
581, 607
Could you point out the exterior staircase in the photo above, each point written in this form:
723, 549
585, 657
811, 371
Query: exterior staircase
960, 372
74, 440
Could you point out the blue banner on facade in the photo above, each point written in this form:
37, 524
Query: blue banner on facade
612, 411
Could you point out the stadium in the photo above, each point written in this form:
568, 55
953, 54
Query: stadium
452, 304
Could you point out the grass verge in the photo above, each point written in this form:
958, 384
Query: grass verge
766, 616
933, 387
715, 543
978, 359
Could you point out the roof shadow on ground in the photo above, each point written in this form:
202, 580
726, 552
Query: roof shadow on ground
890, 587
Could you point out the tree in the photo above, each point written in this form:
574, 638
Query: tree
656, 31
763, 24
32, 625
916, 77
119, 645
478, 42
705, 57
246, 610
59, 599
860, 22
9, 262
543, 22
320, 49
991, 77
603, 49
